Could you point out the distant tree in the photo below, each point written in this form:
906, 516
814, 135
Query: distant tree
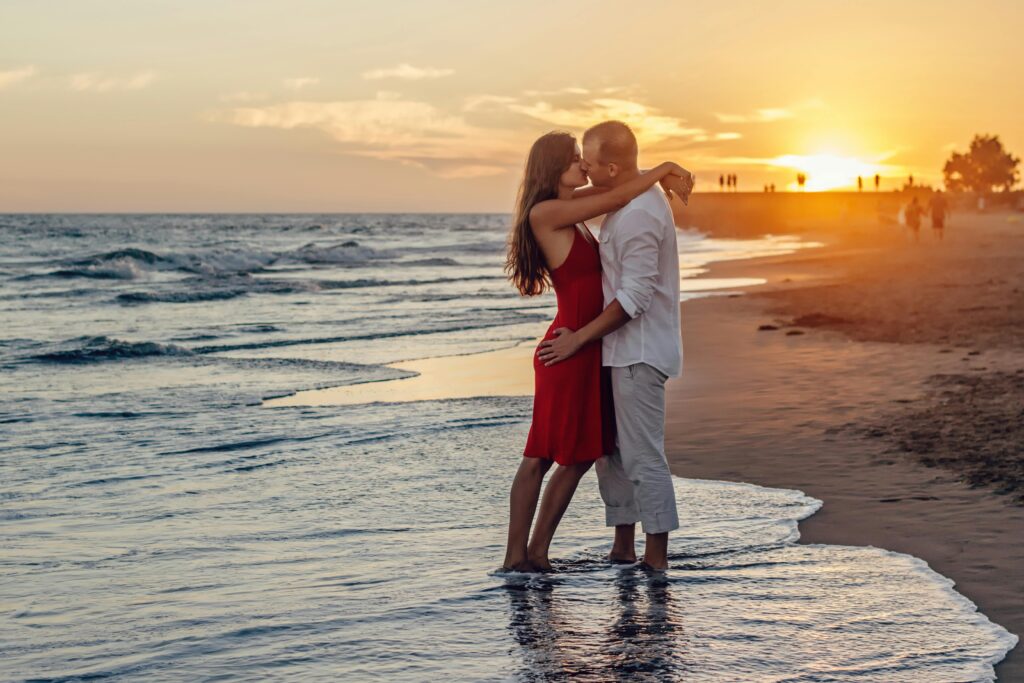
984, 168
801, 178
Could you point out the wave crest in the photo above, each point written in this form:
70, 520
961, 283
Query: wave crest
103, 348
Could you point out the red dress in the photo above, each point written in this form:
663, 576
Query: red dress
573, 414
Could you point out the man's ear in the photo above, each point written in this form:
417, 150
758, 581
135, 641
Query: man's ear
613, 169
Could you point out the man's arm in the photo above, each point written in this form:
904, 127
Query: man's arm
567, 343
641, 241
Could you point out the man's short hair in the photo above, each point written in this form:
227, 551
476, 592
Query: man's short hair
615, 143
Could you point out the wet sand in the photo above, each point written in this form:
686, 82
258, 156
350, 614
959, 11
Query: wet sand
506, 372
822, 406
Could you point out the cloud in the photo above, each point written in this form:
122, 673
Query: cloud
650, 126
408, 72
561, 91
92, 82
300, 82
470, 171
481, 102
770, 114
244, 96
395, 129
483, 135
15, 76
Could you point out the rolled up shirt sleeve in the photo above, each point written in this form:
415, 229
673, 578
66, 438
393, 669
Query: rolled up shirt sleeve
638, 240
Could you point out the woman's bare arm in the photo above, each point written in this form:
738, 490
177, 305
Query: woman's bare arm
588, 191
558, 213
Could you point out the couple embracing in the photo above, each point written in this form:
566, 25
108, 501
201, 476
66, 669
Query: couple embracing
600, 370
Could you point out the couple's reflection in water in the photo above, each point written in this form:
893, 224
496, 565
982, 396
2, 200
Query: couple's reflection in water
598, 625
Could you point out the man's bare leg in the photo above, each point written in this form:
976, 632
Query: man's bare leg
656, 551
557, 495
522, 505
624, 547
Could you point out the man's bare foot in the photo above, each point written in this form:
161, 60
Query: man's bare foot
623, 558
654, 567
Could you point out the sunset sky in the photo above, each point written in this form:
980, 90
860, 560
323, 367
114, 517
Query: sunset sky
320, 105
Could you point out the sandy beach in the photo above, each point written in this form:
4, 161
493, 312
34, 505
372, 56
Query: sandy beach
890, 388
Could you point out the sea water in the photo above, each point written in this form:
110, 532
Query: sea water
158, 524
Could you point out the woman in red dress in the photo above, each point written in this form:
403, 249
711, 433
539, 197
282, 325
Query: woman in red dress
573, 418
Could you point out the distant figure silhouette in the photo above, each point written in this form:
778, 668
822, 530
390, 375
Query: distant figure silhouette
772, 187
912, 214
860, 184
910, 180
721, 183
938, 207
801, 178
878, 181
735, 182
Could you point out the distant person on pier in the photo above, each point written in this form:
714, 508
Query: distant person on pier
878, 181
912, 215
938, 207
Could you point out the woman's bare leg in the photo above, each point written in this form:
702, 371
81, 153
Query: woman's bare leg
557, 495
522, 505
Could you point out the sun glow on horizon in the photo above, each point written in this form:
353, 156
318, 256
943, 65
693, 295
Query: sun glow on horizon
826, 171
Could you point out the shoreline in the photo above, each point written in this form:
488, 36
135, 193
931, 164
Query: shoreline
781, 408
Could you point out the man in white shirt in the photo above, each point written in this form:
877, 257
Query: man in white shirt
641, 342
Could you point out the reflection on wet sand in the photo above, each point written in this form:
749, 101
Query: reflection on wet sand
635, 634
505, 372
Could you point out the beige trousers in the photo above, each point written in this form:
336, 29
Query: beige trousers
635, 482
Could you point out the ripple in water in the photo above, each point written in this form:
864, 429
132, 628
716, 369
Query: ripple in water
279, 550
156, 525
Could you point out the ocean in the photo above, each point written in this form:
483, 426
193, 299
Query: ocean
161, 523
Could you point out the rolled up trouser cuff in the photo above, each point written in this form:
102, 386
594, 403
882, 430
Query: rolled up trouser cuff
659, 522
614, 516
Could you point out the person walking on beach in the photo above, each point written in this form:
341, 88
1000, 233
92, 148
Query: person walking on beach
912, 214
938, 208
550, 246
641, 343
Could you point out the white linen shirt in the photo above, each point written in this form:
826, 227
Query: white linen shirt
640, 268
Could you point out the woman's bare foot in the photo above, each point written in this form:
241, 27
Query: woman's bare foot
524, 566
541, 564
616, 558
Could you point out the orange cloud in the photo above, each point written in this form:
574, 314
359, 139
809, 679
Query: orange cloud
15, 76
408, 72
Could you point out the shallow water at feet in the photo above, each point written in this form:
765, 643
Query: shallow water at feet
158, 524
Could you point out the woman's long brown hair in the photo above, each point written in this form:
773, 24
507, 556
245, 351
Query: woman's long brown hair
549, 158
